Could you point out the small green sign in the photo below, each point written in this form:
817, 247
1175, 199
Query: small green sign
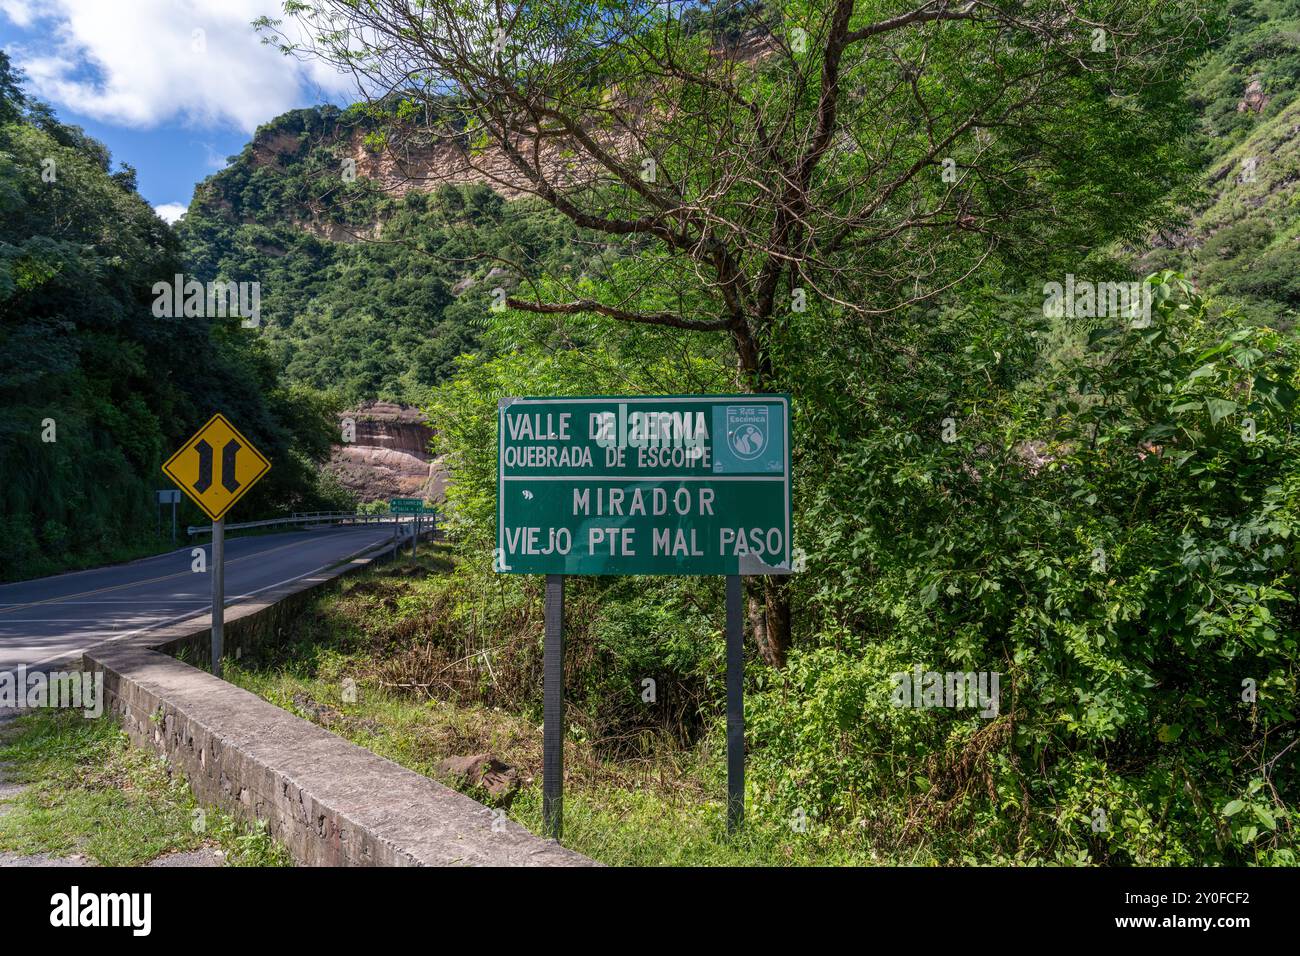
683, 484
406, 506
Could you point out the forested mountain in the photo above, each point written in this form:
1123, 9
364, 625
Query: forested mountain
1241, 235
375, 274
371, 283
96, 390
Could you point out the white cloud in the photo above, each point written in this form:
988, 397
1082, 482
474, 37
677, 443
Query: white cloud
19, 11
169, 212
146, 62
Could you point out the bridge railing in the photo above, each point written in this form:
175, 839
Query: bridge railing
321, 517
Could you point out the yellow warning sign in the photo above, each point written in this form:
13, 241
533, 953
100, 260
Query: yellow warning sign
216, 467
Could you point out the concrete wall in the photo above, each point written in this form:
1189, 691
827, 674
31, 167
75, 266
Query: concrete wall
329, 801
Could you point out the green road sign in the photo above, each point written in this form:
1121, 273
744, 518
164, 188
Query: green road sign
688, 484
406, 506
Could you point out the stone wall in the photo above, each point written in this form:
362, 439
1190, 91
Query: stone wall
329, 801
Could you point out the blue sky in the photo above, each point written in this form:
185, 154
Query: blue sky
173, 87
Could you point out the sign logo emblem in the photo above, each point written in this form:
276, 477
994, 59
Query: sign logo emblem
747, 431
216, 467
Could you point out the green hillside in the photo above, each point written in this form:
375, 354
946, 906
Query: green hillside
368, 318
386, 318
1241, 239
96, 390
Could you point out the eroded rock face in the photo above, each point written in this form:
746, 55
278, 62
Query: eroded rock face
424, 167
390, 457
1253, 100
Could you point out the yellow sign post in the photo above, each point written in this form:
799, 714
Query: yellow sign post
216, 467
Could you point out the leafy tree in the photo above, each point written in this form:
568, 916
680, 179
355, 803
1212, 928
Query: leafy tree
866, 154
1112, 528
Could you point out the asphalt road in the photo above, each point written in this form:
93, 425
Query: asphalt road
50, 618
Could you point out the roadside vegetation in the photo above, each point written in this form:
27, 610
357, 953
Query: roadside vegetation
1112, 531
87, 791
384, 660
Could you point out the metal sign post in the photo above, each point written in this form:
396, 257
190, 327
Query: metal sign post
406, 506
218, 571
553, 710
172, 497
622, 484
735, 703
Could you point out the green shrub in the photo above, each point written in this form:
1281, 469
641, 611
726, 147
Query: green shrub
1113, 530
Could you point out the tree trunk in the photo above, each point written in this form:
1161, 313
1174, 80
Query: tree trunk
769, 617
769, 598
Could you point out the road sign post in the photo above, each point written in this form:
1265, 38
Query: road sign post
172, 497
218, 593
216, 468
735, 703
694, 484
406, 506
553, 710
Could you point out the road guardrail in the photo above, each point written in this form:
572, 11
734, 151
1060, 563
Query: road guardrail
320, 517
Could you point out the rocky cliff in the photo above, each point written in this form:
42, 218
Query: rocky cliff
389, 456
